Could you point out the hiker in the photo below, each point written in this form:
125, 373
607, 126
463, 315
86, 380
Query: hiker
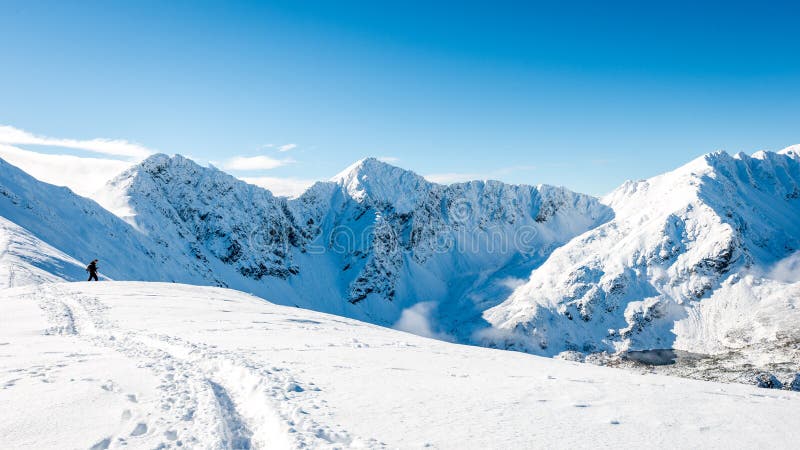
92, 269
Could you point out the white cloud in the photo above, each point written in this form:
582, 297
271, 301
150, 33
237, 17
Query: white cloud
287, 147
388, 159
282, 187
458, 177
418, 320
511, 282
786, 270
261, 162
453, 177
117, 147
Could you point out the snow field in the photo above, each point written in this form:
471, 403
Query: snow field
155, 365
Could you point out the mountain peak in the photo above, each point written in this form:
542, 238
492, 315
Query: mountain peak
371, 178
792, 151
683, 185
162, 159
176, 167
366, 166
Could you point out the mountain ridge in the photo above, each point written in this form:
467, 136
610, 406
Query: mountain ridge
675, 241
353, 240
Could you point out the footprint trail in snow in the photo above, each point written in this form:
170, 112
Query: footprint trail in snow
208, 398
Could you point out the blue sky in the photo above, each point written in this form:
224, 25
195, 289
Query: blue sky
579, 94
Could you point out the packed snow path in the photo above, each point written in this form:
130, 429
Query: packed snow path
157, 365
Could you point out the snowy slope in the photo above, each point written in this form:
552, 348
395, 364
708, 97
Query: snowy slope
25, 259
687, 263
56, 223
154, 365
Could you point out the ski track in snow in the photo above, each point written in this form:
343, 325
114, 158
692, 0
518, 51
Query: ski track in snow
209, 398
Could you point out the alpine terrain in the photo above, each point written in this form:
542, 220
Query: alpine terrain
228, 317
703, 259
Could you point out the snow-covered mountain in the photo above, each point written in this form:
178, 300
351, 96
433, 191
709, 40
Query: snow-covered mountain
701, 259
46, 230
85, 176
368, 244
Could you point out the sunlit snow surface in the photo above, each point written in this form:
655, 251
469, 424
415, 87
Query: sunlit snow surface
158, 365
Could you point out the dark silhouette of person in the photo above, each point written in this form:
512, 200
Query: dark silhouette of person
92, 269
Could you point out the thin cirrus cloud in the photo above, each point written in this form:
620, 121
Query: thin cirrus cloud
261, 162
117, 147
281, 148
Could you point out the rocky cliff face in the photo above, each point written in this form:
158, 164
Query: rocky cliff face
211, 217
